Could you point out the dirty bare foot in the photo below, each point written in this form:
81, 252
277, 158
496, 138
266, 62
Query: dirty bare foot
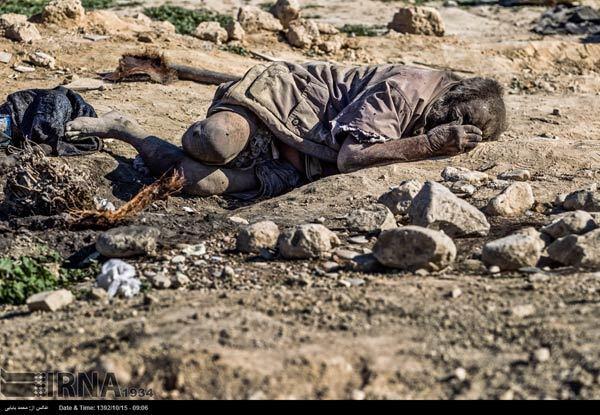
111, 125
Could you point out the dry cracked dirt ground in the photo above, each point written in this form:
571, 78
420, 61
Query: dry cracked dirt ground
280, 329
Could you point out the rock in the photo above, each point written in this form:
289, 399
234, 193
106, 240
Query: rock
178, 259
522, 249
86, 84
515, 200
238, 221
358, 240
194, 250
303, 33
5, 57
418, 21
23, 69
460, 374
450, 3
96, 38
228, 272
455, 293
63, 11
327, 28
261, 235
331, 46
180, 280
50, 300
541, 355
346, 254
460, 174
437, 207
523, 311
578, 222
253, 20
398, 199
161, 281
366, 263
211, 31
43, 60
586, 199
519, 175
330, 266
307, 241
22, 32
11, 19
414, 247
127, 241
378, 218
462, 188
577, 250
115, 366
286, 11
494, 269
473, 265
235, 31
98, 294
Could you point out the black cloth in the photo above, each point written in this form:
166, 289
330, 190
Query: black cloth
275, 177
40, 116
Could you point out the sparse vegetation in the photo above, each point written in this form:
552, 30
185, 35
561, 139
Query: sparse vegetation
362, 30
186, 20
32, 7
28, 275
238, 50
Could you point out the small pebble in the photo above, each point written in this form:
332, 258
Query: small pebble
460, 374
541, 355
455, 293
494, 269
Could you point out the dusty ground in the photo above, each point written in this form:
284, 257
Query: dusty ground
280, 329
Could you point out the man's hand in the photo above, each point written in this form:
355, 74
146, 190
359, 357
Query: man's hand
451, 139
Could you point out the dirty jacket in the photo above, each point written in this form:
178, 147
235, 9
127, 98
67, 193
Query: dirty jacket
313, 106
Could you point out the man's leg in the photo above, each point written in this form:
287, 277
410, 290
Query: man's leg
161, 156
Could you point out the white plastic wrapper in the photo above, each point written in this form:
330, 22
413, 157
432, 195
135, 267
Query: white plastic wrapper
118, 277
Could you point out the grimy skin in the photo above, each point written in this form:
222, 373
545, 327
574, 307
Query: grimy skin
210, 144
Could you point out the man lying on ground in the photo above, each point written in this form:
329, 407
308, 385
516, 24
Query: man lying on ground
284, 124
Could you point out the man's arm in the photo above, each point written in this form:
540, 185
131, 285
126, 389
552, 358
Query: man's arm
444, 140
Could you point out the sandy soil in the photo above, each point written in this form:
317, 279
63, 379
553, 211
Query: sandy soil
279, 329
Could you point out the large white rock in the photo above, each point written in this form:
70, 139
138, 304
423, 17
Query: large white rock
235, 31
50, 300
63, 12
373, 220
418, 21
578, 222
414, 247
399, 199
211, 31
286, 11
127, 241
261, 235
16, 27
587, 199
515, 200
436, 207
577, 250
303, 33
307, 241
521, 249
253, 20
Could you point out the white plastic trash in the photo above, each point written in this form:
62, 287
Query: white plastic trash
118, 277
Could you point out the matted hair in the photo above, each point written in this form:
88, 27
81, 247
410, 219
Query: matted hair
485, 90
